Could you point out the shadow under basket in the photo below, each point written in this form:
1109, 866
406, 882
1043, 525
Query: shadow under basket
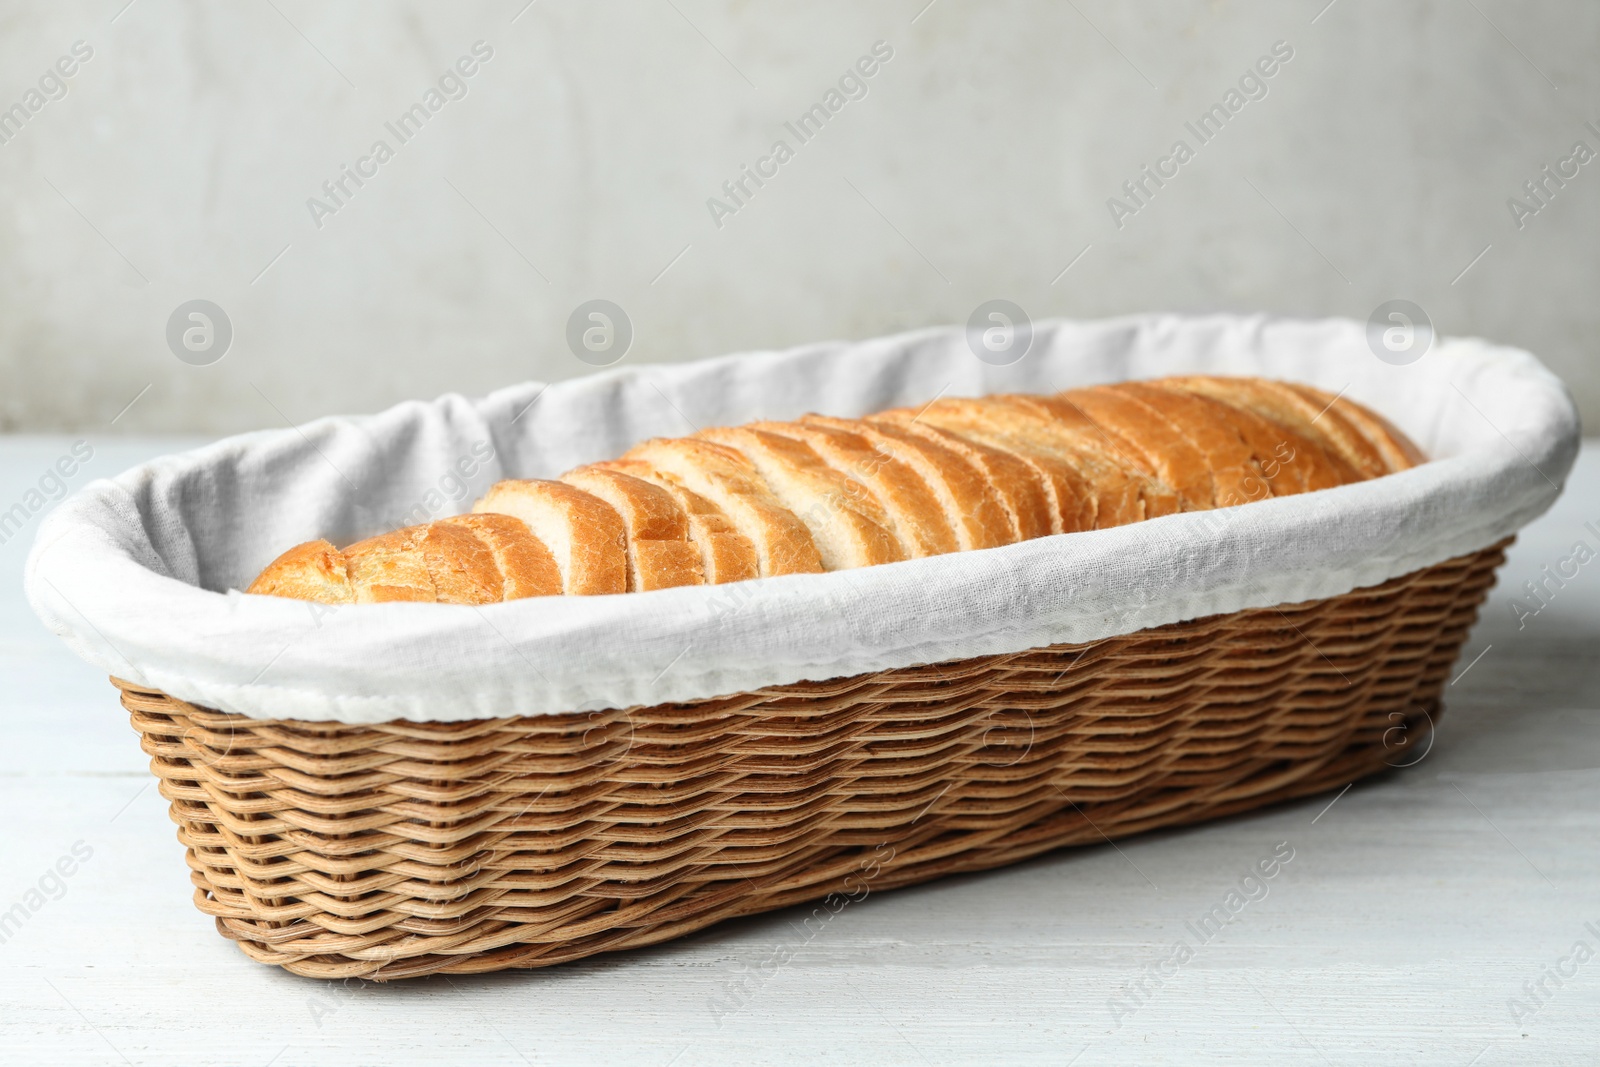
411, 848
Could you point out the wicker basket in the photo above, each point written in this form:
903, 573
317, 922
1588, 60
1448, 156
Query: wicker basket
406, 849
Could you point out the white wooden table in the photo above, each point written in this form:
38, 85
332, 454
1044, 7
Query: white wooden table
1415, 909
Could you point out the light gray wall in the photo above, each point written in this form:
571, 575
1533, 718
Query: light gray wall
978, 165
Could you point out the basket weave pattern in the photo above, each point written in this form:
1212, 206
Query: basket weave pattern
405, 849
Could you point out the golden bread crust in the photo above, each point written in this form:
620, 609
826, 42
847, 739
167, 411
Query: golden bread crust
972, 506
314, 571
903, 496
723, 476
655, 526
583, 532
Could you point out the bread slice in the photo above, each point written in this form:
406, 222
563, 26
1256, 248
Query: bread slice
526, 566
657, 529
1140, 431
726, 555
1397, 451
849, 527
1329, 427
462, 567
918, 520
582, 532
468, 559
1030, 496
390, 568
1077, 502
1092, 494
1334, 431
1287, 457
1061, 421
1236, 478
311, 571
723, 476
972, 507
1286, 408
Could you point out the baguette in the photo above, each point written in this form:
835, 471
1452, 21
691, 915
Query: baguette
770, 499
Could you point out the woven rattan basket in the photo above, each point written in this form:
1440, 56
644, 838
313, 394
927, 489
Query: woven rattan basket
407, 849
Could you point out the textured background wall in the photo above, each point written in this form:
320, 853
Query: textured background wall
179, 162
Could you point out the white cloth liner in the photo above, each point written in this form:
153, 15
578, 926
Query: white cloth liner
139, 573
